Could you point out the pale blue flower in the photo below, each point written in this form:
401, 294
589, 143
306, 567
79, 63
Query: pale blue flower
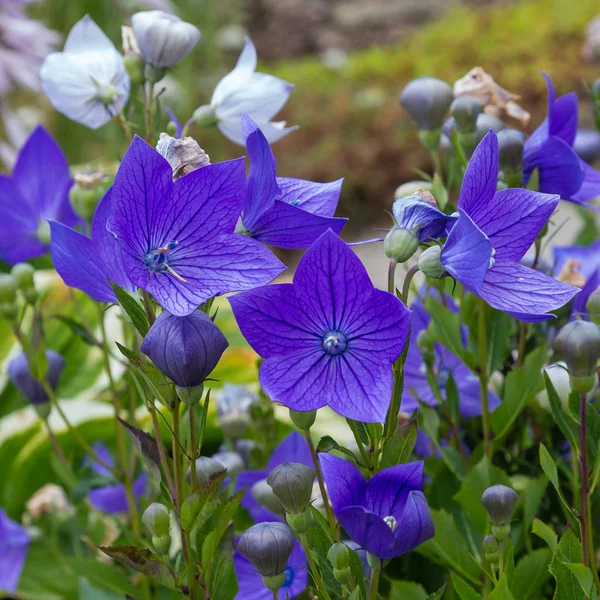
87, 81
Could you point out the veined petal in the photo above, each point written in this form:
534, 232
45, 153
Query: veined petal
274, 322
514, 219
244, 67
292, 448
332, 282
287, 226
368, 530
317, 198
466, 253
511, 287
479, 183
345, 484
558, 166
590, 188
261, 183
387, 492
415, 525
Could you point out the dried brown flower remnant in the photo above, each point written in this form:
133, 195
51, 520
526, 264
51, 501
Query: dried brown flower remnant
494, 99
591, 45
184, 155
571, 273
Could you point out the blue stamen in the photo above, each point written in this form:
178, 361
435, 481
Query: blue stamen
156, 260
335, 342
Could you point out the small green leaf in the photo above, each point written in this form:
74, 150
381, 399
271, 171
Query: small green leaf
147, 446
463, 589
546, 533
194, 503
584, 576
133, 308
327, 444
452, 398
549, 468
81, 331
399, 448
407, 590
437, 595
567, 584
141, 560
531, 573
501, 591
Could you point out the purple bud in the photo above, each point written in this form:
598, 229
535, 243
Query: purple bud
268, 547
465, 110
20, 375
292, 483
185, 349
427, 100
578, 342
499, 501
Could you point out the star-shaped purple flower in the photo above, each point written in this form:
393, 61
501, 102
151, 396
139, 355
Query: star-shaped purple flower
112, 499
330, 338
550, 151
176, 238
293, 448
445, 364
493, 232
251, 584
387, 516
288, 213
89, 264
37, 190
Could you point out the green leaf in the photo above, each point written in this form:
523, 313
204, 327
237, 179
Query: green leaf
81, 331
472, 487
567, 584
327, 444
133, 308
194, 503
501, 591
89, 592
531, 573
595, 470
357, 573
439, 191
437, 595
64, 473
448, 547
549, 468
520, 387
318, 544
103, 575
584, 576
146, 445
223, 581
452, 398
141, 560
546, 533
407, 590
535, 489
463, 589
399, 448
561, 418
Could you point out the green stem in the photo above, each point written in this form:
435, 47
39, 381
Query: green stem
522, 341
500, 559
321, 480
161, 452
392, 277
56, 445
407, 281
148, 99
437, 164
193, 449
483, 380
314, 571
374, 584
148, 306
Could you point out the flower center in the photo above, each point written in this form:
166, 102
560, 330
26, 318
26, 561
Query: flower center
157, 260
391, 523
335, 342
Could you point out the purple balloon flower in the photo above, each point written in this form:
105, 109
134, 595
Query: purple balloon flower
37, 190
176, 238
445, 364
112, 499
330, 338
251, 584
14, 543
288, 213
550, 150
388, 515
185, 349
90, 264
293, 448
493, 232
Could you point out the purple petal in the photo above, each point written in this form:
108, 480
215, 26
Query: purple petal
287, 226
345, 484
104, 454
587, 256
368, 530
590, 188
317, 198
261, 184
466, 253
247, 479
140, 485
273, 321
387, 492
514, 288
173, 118
332, 280
110, 499
414, 212
415, 526
513, 220
42, 175
293, 448
14, 543
579, 303
479, 184
562, 114
558, 165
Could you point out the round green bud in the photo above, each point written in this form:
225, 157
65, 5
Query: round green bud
501, 533
339, 556
582, 385
593, 306
430, 263
374, 561
299, 523
204, 116
106, 94
205, 469
84, 201
190, 396
274, 582
490, 544
303, 420
430, 138
465, 110
161, 543
400, 244
578, 342
427, 100
499, 502
262, 492
171, 129
9, 286
42, 233
23, 273
292, 483
135, 67
411, 187
156, 518
154, 74
426, 347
